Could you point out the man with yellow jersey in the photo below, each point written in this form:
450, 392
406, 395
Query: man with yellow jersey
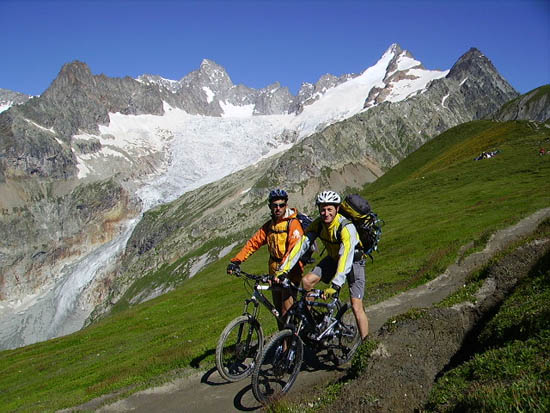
344, 260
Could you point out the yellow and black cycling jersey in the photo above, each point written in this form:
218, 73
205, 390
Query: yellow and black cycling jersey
339, 238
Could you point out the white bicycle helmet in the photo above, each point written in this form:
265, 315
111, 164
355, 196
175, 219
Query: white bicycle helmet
328, 197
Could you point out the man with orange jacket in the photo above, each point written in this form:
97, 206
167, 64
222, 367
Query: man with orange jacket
280, 234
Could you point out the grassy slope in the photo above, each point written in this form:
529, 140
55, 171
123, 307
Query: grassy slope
433, 202
511, 368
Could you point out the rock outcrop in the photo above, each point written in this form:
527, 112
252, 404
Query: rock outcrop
534, 105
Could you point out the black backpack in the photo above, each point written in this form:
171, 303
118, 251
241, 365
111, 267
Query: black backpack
305, 221
369, 227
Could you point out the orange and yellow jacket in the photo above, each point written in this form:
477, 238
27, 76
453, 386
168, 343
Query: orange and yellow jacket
280, 237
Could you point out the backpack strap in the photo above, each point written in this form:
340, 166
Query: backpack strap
343, 223
288, 233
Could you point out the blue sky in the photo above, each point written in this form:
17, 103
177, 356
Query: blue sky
260, 42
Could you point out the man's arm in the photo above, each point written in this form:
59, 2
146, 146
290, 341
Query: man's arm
349, 240
295, 233
251, 246
300, 247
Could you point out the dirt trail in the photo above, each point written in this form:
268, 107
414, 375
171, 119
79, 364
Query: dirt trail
207, 392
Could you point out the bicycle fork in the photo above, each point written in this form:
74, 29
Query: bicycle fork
251, 315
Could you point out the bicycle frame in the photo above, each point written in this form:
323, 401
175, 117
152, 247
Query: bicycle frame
258, 298
300, 311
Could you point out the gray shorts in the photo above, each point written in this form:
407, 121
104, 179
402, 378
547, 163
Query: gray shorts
326, 268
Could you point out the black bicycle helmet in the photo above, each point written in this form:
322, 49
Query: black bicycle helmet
278, 194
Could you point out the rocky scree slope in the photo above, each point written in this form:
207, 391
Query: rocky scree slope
344, 155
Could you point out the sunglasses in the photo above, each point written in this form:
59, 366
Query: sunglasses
273, 206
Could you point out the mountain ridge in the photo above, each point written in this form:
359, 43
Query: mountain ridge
366, 151
372, 140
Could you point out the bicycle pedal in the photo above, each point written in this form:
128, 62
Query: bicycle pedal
312, 336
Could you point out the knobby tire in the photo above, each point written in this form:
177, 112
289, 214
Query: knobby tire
347, 339
239, 347
278, 367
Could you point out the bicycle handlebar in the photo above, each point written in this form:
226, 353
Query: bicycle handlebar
285, 283
260, 278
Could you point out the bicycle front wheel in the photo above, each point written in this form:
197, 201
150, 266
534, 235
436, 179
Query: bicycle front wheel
347, 338
239, 346
278, 367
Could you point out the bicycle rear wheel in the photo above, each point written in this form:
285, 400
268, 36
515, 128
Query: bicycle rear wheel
278, 367
239, 346
347, 338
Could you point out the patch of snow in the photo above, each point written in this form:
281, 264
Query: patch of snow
232, 111
404, 63
408, 87
444, 99
42, 127
5, 106
209, 94
199, 265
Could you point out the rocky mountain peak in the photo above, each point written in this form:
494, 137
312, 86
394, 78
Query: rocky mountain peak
72, 74
401, 69
149, 79
474, 60
395, 49
9, 98
474, 70
209, 74
402, 60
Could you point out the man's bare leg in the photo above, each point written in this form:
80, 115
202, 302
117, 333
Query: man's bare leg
310, 280
360, 317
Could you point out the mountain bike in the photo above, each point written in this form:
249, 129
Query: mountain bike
242, 340
320, 325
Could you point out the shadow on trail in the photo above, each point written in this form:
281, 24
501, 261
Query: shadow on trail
196, 362
317, 361
243, 396
244, 399
216, 380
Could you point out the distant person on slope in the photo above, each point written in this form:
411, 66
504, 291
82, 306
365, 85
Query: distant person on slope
280, 234
344, 260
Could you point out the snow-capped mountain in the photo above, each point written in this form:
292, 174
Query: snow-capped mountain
8, 98
237, 120
81, 162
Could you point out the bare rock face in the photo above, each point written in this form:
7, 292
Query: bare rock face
36, 138
58, 224
9, 98
534, 105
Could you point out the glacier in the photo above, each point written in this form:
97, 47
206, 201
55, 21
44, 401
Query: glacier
195, 150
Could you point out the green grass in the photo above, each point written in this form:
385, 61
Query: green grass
433, 202
511, 371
